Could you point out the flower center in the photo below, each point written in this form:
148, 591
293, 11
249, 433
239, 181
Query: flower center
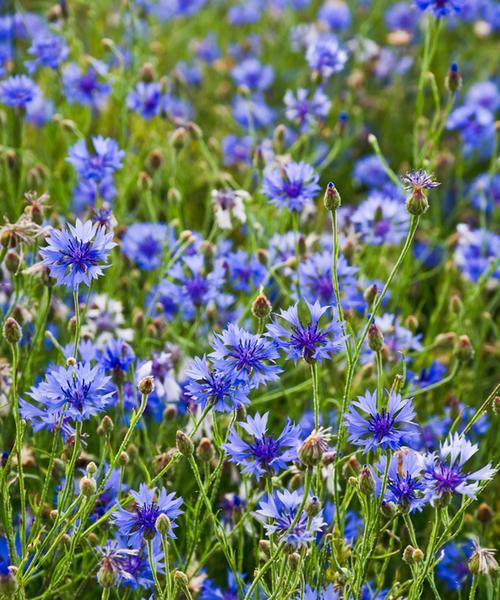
381, 424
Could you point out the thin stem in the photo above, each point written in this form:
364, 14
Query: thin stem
314, 375
152, 564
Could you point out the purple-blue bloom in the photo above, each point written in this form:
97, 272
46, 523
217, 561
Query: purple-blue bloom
145, 98
307, 339
77, 254
292, 186
263, 454
140, 523
381, 219
49, 50
305, 111
18, 91
386, 428
325, 56
96, 166
440, 8
253, 75
86, 87
144, 244
281, 508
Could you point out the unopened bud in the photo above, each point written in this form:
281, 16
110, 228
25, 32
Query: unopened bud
370, 294
146, 385
205, 450
313, 447
162, 524
184, 443
375, 338
417, 203
265, 546
147, 72
107, 424
170, 412
91, 468
12, 261
484, 513
366, 481
261, 307
453, 81
294, 560
123, 459
313, 506
456, 304
463, 349
87, 486
8, 582
181, 579
331, 198
12, 331
107, 575
412, 323
296, 481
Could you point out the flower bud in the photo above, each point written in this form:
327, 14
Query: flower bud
412, 323
418, 555
123, 459
294, 561
170, 413
162, 524
453, 81
313, 447
261, 307
463, 349
12, 331
370, 294
331, 198
417, 203
8, 582
12, 261
313, 506
181, 579
328, 458
484, 513
107, 425
375, 338
107, 575
146, 385
482, 561
91, 468
147, 73
351, 466
184, 443
296, 482
87, 486
408, 554
93, 538
388, 509
366, 481
205, 450
265, 546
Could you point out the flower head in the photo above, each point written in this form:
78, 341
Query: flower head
307, 339
229, 204
144, 244
86, 88
140, 523
251, 357
445, 471
264, 453
145, 99
293, 186
325, 56
18, 91
226, 389
384, 428
440, 8
281, 509
419, 180
78, 254
49, 51
306, 111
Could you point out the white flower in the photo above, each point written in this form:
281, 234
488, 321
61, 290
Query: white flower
229, 203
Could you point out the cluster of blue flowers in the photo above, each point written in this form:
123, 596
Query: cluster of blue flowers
249, 278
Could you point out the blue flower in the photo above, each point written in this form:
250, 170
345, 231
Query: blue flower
405, 485
337, 15
308, 339
104, 162
140, 523
236, 149
78, 393
86, 87
281, 509
49, 51
251, 357
475, 252
306, 112
145, 99
264, 453
18, 91
453, 568
326, 593
252, 112
381, 219
445, 470
440, 8
485, 192
246, 272
253, 75
293, 186
369, 171
117, 357
315, 276
384, 428
77, 255
401, 17
210, 591
144, 244
325, 56
226, 389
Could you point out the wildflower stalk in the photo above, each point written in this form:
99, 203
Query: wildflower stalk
357, 352
168, 577
153, 570
430, 551
473, 587
78, 323
380, 378
481, 409
315, 386
263, 570
335, 280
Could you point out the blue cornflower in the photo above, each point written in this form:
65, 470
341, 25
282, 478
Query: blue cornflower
325, 56
145, 99
384, 428
484, 192
252, 112
86, 87
236, 149
445, 471
77, 255
251, 357
440, 8
293, 186
226, 389
453, 568
253, 75
207, 49
381, 219
176, 109
475, 252
401, 17
369, 171
18, 91
264, 453
140, 523
336, 14
78, 392
117, 357
430, 375
326, 593
304, 111
246, 272
210, 591
96, 166
308, 340
144, 244
282, 509
49, 50
315, 277
405, 485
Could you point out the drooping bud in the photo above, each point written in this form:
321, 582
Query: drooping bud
375, 338
184, 443
332, 199
12, 331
